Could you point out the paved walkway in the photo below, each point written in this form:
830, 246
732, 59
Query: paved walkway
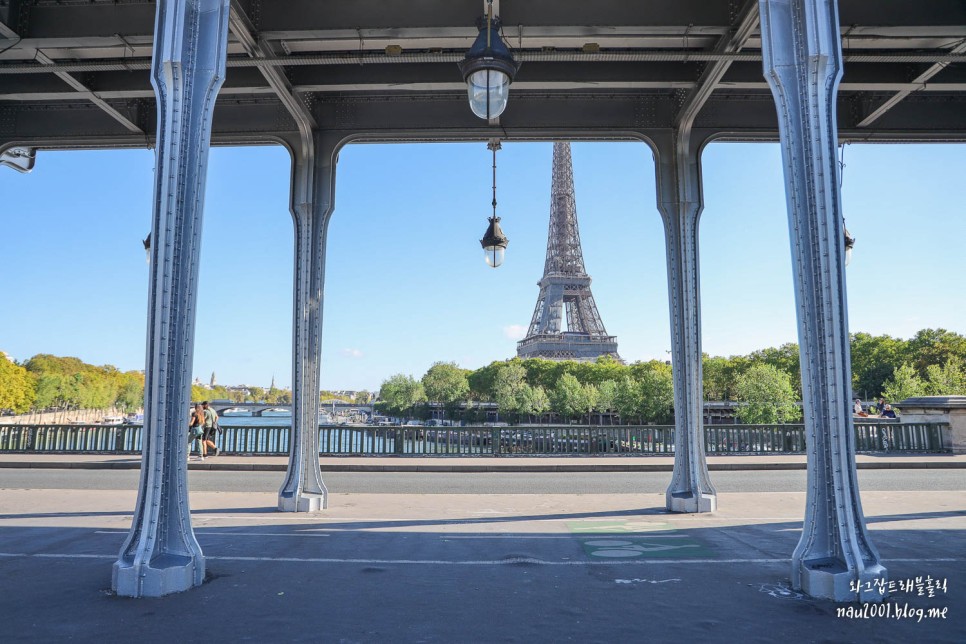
472, 568
482, 463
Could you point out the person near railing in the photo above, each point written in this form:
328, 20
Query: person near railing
196, 431
211, 427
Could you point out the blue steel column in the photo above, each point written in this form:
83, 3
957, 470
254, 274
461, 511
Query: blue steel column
803, 65
679, 199
161, 555
313, 185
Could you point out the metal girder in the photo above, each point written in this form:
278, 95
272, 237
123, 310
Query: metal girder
80, 88
835, 558
536, 77
680, 202
747, 22
917, 84
20, 159
161, 554
242, 28
313, 185
408, 58
312, 202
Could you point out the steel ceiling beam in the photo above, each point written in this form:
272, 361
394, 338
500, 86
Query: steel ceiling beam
744, 26
244, 31
383, 88
380, 58
917, 84
78, 86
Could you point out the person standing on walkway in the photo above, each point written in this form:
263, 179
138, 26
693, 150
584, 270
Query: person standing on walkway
196, 431
211, 427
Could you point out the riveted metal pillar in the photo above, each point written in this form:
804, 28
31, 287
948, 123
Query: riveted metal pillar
19, 158
161, 555
676, 159
803, 65
313, 186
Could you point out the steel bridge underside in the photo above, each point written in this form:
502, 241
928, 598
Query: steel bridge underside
76, 74
314, 76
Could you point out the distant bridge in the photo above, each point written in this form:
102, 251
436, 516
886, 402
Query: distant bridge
257, 409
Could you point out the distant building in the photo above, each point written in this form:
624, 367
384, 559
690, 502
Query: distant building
213, 382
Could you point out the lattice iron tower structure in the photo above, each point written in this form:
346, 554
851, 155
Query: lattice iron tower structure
565, 283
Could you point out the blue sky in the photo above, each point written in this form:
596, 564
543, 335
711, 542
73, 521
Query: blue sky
406, 283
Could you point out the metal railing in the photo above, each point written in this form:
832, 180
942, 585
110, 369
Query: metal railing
338, 440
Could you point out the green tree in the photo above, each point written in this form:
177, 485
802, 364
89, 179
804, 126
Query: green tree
607, 396
935, 346
198, 393
785, 358
716, 378
591, 399
874, 359
605, 368
627, 399
904, 383
482, 380
400, 394
542, 373
130, 395
16, 386
569, 397
766, 396
69, 382
446, 383
656, 386
534, 401
947, 380
509, 387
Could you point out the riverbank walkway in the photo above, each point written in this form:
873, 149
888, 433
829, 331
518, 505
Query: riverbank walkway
444, 567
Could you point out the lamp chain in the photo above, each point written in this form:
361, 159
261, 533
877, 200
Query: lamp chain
494, 145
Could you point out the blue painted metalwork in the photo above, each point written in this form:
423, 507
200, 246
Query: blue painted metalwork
803, 65
161, 555
679, 199
313, 188
354, 440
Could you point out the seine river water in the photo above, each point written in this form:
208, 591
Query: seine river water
273, 419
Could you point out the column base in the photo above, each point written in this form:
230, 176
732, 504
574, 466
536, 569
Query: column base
165, 575
303, 502
831, 579
691, 503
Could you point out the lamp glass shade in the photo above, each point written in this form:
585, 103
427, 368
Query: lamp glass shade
494, 255
488, 90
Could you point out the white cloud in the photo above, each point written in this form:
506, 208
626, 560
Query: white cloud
351, 353
515, 331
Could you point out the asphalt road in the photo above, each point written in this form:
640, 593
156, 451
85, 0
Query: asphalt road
489, 483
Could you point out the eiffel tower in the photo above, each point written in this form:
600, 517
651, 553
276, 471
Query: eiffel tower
565, 283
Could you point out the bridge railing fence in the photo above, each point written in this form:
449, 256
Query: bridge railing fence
344, 440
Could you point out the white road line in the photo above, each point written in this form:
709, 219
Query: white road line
442, 562
218, 533
582, 535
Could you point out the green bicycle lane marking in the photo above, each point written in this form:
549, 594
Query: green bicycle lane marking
636, 538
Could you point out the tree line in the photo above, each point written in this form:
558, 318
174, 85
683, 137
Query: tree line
51, 382
765, 384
